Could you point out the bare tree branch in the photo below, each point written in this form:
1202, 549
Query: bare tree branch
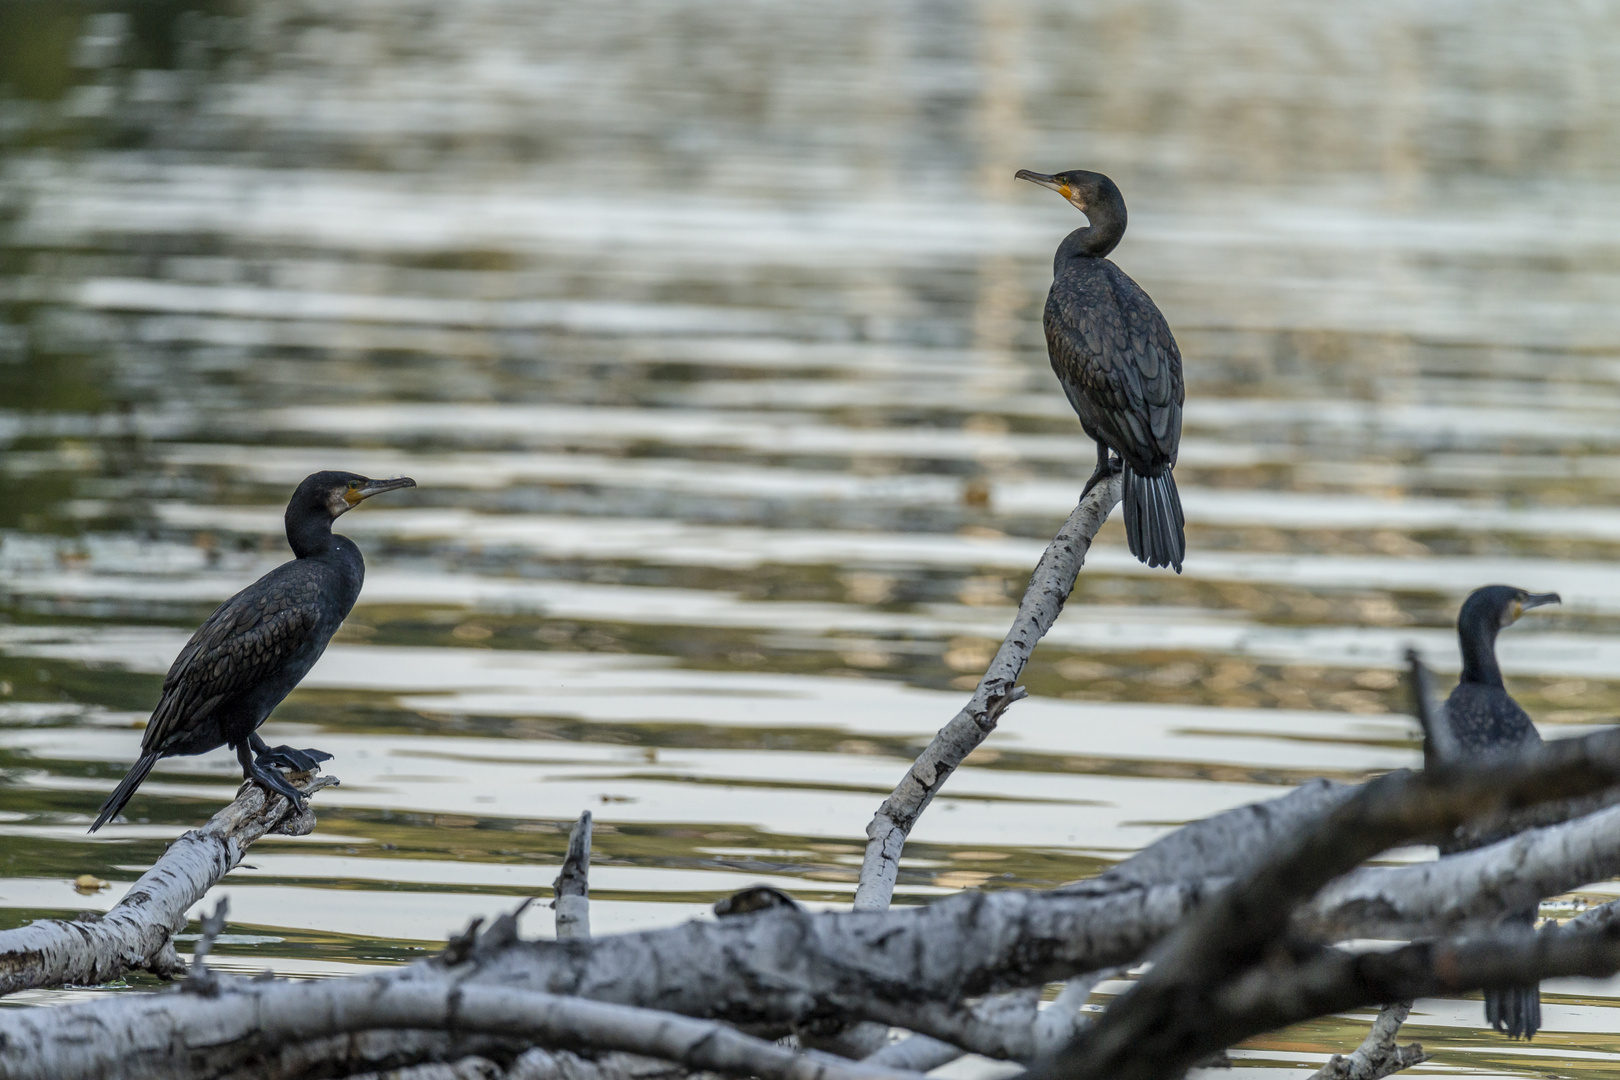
1439, 742
468, 1068
1044, 597
917, 1053
1333, 980
138, 933
1379, 1055
1162, 1025
573, 886
140, 1042
1469, 888
538, 1064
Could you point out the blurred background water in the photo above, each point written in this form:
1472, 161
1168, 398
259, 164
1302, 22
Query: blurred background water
711, 334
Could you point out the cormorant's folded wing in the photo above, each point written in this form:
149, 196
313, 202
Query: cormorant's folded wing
242, 642
1109, 343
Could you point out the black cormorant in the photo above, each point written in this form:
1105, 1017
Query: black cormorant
1486, 722
1119, 365
259, 644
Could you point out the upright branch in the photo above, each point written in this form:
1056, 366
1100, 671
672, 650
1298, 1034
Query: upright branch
1439, 741
573, 884
1048, 590
138, 933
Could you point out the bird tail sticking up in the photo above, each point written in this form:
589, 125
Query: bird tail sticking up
1153, 521
1515, 1011
126, 787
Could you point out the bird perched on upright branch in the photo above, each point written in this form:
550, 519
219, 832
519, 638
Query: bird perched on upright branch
1485, 722
259, 644
1119, 365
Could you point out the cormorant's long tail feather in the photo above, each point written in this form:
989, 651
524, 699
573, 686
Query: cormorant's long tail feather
1154, 526
126, 787
1514, 1010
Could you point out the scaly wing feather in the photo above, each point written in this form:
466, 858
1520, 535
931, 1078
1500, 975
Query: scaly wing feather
241, 643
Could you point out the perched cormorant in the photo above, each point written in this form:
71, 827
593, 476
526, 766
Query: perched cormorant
1119, 365
1486, 722
259, 644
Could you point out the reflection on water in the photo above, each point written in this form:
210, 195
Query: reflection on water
712, 336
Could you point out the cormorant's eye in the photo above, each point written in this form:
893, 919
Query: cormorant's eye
354, 485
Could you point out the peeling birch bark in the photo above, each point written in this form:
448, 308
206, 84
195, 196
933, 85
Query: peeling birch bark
138, 933
1044, 597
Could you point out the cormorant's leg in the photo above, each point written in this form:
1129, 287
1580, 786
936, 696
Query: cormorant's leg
1105, 467
269, 776
296, 760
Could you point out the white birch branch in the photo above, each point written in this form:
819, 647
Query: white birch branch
573, 884
468, 1068
138, 1043
1048, 590
1379, 1055
538, 1064
1474, 887
138, 933
785, 966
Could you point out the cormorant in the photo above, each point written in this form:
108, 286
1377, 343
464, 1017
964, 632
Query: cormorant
259, 644
1486, 722
1119, 365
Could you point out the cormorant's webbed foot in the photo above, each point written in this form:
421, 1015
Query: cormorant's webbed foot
266, 775
306, 760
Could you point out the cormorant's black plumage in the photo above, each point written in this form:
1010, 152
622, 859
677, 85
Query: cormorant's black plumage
1119, 366
259, 644
1485, 721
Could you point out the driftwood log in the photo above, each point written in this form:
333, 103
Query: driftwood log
1238, 913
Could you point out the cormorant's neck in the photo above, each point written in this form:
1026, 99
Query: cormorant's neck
310, 535
1097, 239
1479, 654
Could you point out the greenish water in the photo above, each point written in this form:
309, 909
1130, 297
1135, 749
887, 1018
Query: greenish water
711, 335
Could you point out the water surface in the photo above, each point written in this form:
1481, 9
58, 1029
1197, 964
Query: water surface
711, 334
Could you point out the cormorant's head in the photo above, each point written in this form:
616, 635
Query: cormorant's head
336, 493
1497, 606
1088, 191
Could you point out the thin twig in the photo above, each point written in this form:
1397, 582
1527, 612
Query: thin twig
1048, 590
200, 978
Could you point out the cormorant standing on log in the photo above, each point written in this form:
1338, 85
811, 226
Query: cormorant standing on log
1119, 365
259, 644
1486, 722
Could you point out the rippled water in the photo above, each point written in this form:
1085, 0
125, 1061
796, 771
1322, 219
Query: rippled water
711, 334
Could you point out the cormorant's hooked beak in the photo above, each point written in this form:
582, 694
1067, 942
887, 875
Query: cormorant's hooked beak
1051, 183
356, 496
1532, 600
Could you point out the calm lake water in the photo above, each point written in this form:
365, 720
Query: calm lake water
711, 335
